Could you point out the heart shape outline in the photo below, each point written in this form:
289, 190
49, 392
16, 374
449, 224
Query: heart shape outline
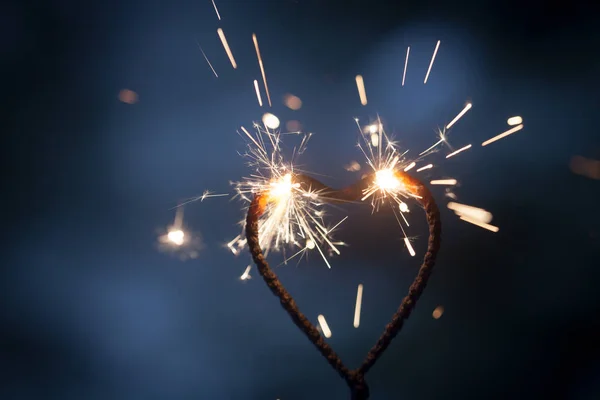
354, 378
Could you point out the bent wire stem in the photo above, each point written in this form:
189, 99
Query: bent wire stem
354, 378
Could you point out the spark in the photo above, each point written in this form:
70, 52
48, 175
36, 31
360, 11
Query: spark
410, 166
514, 121
405, 65
474, 213
444, 182
480, 224
438, 312
216, 10
293, 216
262, 68
257, 93
460, 114
226, 46
387, 164
359, 293
443, 138
206, 58
409, 246
458, 151
428, 166
324, 326
360, 84
503, 135
205, 195
246, 275
432, 59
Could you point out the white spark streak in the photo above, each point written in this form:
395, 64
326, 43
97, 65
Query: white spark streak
503, 135
226, 47
405, 65
480, 224
216, 10
444, 182
257, 93
359, 293
474, 213
206, 58
410, 166
262, 67
428, 166
360, 84
460, 114
409, 247
324, 326
458, 151
432, 59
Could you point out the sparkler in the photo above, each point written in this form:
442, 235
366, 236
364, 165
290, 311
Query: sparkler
292, 212
285, 208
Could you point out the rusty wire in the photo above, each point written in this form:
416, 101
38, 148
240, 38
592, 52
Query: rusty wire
354, 378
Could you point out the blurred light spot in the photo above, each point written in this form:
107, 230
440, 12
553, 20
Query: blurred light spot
587, 167
437, 313
270, 121
293, 126
514, 121
176, 237
352, 167
292, 102
403, 207
310, 244
128, 96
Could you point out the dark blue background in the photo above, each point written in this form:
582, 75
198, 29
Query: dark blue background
90, 309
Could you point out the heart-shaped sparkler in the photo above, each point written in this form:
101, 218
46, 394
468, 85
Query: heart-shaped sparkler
354, 378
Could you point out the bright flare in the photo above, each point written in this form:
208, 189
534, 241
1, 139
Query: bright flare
176, 237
